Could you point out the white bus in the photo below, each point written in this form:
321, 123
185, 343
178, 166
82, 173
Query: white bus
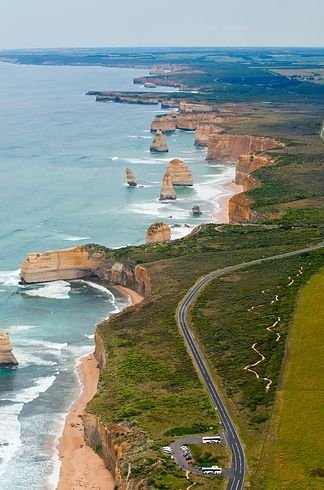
212, 440
211, 470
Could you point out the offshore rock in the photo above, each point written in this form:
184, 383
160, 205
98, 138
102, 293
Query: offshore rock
228, 147
158, 232
131, 181
159, 143
196, 211
167, 189
6, 356
181, 174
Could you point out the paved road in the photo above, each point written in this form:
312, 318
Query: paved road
237, 473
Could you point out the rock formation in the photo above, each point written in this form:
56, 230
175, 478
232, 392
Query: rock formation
196, 211
158, 232
149, 85
239, 208
167, 189
84, 262
181, 174
131, 181
247, 164
166, 124
228, 147
197, 107
204, 131
159, 143
6, 356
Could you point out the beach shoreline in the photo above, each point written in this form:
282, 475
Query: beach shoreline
80, 466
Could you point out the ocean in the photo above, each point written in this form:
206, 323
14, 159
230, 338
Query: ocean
62, 183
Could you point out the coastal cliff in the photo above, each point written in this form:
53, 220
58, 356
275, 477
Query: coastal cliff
204, 131
247, 164
239, 208
88, 261
228, 147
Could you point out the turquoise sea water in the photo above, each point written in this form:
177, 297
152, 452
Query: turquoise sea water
62, 183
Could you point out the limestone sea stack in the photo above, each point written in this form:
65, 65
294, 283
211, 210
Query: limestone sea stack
6, 356
131, 181
167, 189
158, 232
181, 174
159, 143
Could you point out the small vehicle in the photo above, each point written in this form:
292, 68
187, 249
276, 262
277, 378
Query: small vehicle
167, 450
184, 448
211, 470
212, 440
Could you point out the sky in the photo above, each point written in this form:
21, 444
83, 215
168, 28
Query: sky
109, 23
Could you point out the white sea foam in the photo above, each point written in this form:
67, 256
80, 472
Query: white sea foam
159, 209
114, 159
29, 394
51, 290
56, 346
10, 438
180, 231
89, 336
76, 238
106, 291
10, 278
13, 329
139, 137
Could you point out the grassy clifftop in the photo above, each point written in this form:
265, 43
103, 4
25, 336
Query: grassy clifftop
149, 379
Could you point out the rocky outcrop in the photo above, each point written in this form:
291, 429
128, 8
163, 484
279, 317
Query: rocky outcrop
159, 143
247, 164
239, 208
131, 181
149, 85
163, 81
228, 147
6, 356
167, 189
181, 174
70, 263
85, 262
204, 131
196, 211
125, 97
158, 232
166, 123
197, 107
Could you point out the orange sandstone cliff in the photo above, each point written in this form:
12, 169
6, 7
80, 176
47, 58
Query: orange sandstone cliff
247, 164
228, 147
158, 232
84, 262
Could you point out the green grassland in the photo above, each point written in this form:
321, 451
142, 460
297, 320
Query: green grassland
293, 457
150, 380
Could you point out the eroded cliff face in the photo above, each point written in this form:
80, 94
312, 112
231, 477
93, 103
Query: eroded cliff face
190, 120
84, 262
228, 147
70, 263
158, 232
166, 123
239, 208
204, 131
247, 164
118, 445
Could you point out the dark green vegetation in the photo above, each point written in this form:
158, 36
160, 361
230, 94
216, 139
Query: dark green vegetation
225, 74
149, 379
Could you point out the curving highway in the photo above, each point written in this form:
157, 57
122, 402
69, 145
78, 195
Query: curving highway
236, 475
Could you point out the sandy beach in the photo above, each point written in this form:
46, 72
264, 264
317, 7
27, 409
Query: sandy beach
220, 214
81, 467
